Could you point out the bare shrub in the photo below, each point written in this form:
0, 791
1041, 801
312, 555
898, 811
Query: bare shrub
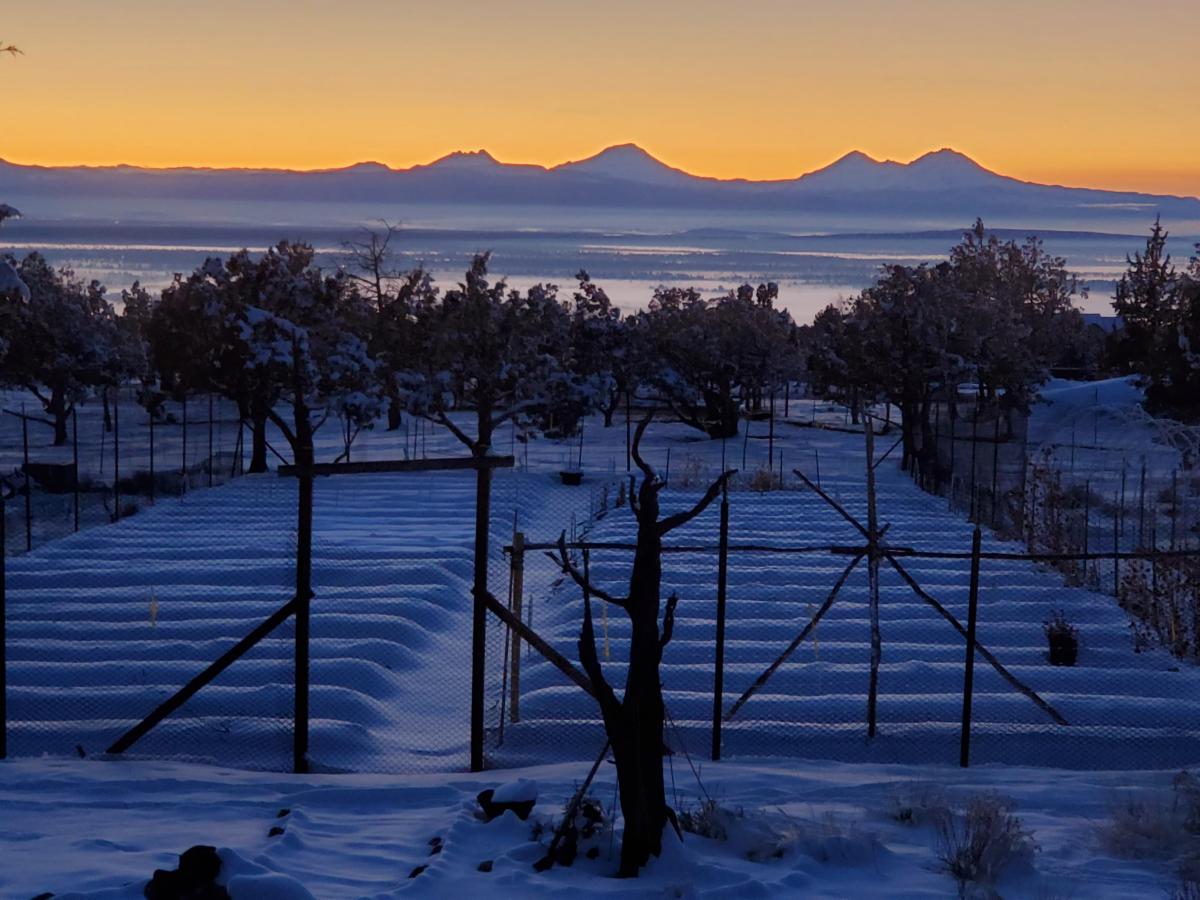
710, 819
978, 845
1161, 825
919, 804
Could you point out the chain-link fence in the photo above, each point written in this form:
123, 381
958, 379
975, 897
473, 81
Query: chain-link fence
108, 459
106, 626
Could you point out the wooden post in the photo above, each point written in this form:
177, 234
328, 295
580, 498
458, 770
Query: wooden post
964, 751
210, 440
1117, 548
518, 592
3, 629
117, 455
995, 465
974, 453
872, 577
771, 435
483, 494
183, 453
304, 530
75, 462
628, 430
28, 484
722, 580
1142, 507
152, 486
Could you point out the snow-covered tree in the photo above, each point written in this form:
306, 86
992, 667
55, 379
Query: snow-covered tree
269, 331
603, 345
499, 353
707, 355
64, 342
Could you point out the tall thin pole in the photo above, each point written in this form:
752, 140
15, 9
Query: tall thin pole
117, 455
304, 528
771, 435
151, 456
210, 440
3, 630
964, 751
75, 462
873, 576
722, 579
28, 484
518, 591
183, 468
483, 495
995, 466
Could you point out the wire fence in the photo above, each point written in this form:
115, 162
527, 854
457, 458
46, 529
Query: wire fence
109, 459
194, 605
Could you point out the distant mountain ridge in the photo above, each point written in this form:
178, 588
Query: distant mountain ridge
943, 183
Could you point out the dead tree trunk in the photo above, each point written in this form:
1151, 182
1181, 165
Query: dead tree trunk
635, 723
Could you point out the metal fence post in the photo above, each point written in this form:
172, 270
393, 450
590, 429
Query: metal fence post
483, 496
722, 579
518, 591
304, 525
75, 462
152, 487
964, 751
183, 452
117, 456
210, 440
28, 485
3, 629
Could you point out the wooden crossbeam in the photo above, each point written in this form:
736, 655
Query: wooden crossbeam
439, 464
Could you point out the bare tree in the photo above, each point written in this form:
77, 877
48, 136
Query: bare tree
635, 723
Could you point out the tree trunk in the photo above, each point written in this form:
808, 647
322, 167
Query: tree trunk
258, 436
636, 723
393, 414
60, 410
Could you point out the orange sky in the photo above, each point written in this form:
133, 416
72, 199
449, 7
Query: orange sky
1088, 92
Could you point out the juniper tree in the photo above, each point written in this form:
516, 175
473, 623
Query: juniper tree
635, 721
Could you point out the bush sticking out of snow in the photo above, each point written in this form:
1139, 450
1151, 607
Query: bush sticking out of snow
1063, 638
978, 845
766, 836
710, 820
1161, 826
919, 804
584, 832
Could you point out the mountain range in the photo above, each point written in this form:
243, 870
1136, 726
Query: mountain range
941, 183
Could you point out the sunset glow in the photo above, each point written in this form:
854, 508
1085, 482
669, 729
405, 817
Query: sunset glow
1092, 93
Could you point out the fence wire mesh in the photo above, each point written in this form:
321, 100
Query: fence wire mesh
106, 624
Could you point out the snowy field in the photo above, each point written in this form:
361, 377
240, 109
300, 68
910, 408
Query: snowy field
106, 624
820, 830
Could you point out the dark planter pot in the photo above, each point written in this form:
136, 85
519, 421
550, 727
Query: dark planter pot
1064, 650
571, 478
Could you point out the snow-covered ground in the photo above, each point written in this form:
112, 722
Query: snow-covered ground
105, 624
83, 829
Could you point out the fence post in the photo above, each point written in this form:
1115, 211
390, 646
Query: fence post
722, 580
210, 440
1142, 507
974, 453
75, 462
518, 591
628, 430
995, 464
152, 486
304, 527
483, 497
3, 629
964, 750
28, 485
183, 453
771, 435
117, 455
1117, 550
872, 577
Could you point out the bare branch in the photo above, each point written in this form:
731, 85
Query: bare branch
442, 419
590, 660
646, 468
564, 561
532, 638
841, 510
1016, 683
791, 648
672, 522
668, 625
